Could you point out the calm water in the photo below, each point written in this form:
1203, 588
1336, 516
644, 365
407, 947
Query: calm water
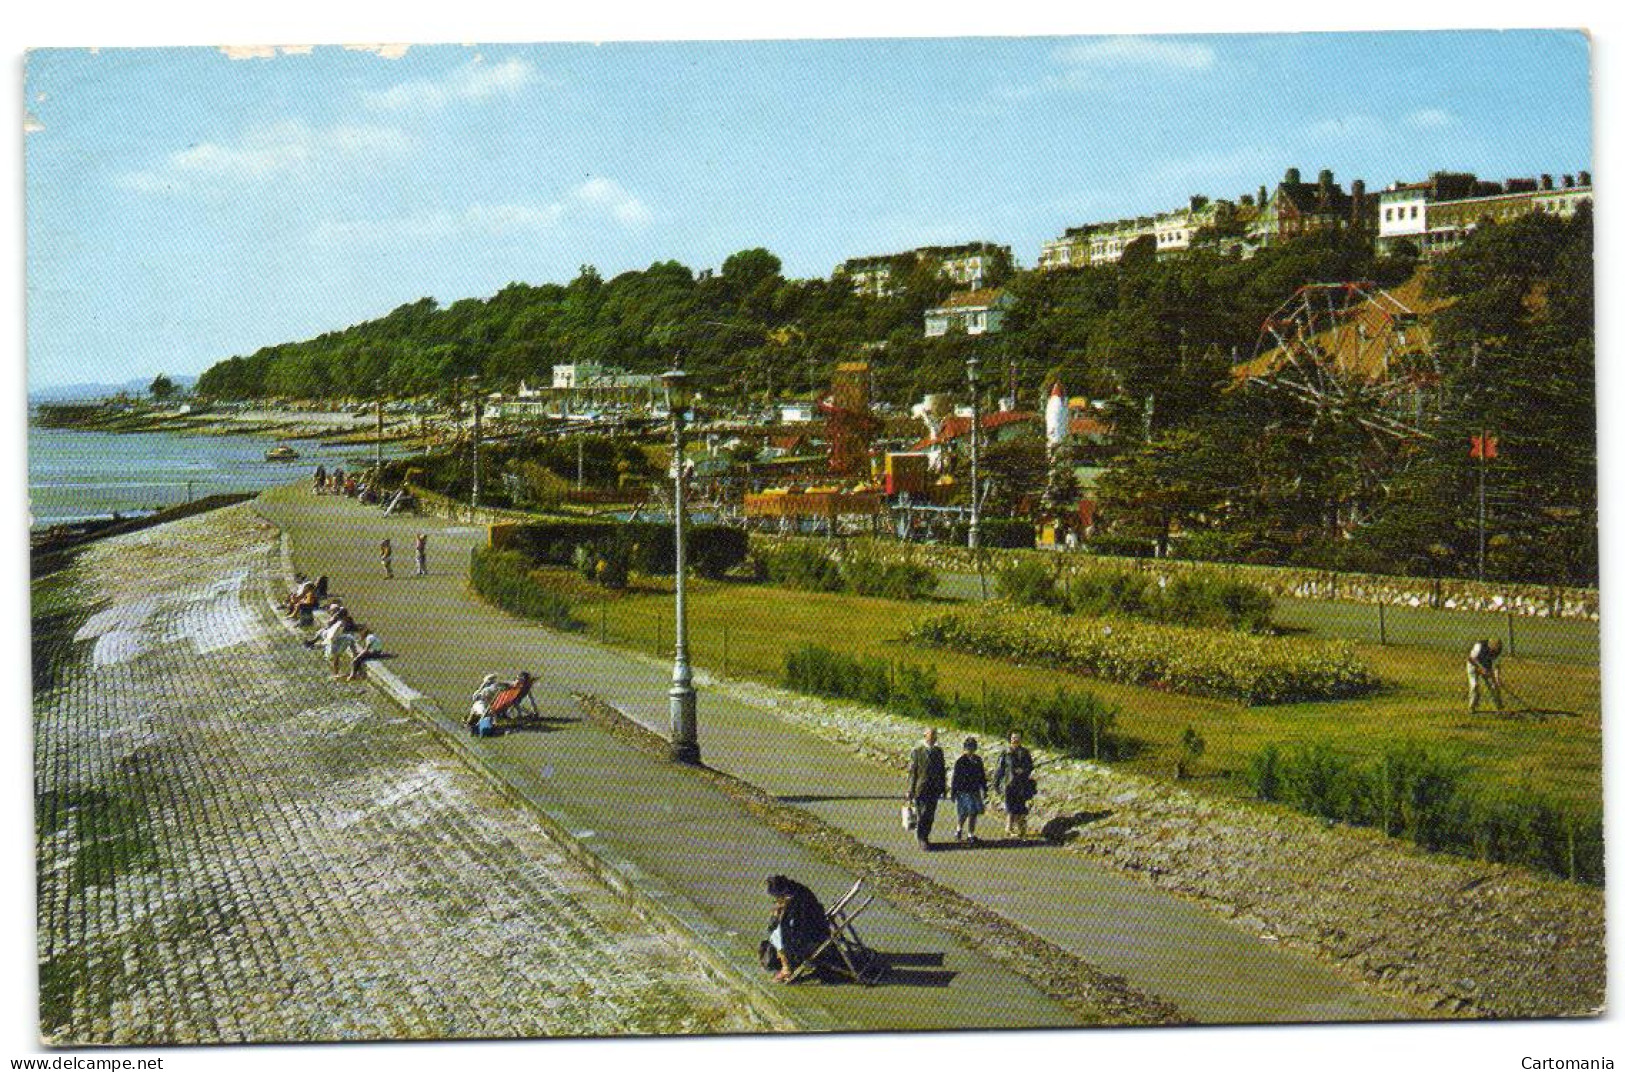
74, 475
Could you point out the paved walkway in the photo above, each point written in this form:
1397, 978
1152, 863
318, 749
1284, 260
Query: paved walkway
234, 848
1210, 969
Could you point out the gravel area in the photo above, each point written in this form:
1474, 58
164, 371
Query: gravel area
233, 848
1459, 937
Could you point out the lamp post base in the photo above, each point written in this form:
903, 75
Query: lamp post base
685, 746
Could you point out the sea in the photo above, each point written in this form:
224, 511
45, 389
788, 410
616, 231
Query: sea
78, 475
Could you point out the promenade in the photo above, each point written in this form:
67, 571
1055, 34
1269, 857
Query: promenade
673, 823
233, 848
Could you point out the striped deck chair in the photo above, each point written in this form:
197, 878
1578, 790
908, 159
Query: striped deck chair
510, 703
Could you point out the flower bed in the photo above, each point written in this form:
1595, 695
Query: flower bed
1203, 662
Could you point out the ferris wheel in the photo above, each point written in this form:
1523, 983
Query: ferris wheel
1352, 352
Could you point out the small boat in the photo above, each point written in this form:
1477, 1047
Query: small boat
281, 453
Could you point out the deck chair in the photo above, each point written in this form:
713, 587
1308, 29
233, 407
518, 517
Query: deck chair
511, 703
843, 952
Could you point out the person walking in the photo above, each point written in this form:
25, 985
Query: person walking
969, 790
385, 554
1014, 778
422, 550
927, 781
1483, 671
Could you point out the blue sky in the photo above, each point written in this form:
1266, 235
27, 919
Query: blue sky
184, 205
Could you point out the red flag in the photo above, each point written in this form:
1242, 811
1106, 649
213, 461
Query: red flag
1483, 447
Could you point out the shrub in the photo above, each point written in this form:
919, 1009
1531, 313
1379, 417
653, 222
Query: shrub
1107, 592
1027, 584
713, 550
866, 575
1420, 793
802, 567
1205, 662
1077, 723
1198, 599
505, 579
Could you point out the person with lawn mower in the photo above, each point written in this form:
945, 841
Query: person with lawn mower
1483, 672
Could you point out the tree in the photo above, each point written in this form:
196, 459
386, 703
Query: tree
162, 388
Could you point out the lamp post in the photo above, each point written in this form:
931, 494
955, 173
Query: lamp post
474, 394
975, 541
685, 745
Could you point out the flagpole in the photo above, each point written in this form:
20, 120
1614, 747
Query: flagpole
1483, 467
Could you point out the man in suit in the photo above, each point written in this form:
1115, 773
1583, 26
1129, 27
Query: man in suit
927, 781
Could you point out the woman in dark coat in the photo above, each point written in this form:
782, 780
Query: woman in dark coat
1015, 778
799, 925
969, 789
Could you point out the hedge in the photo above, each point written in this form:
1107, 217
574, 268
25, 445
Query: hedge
1420, 793
1203, 662
1076, 723
1533, 600
505, 579
649, 547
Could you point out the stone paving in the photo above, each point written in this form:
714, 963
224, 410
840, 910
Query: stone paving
231, 851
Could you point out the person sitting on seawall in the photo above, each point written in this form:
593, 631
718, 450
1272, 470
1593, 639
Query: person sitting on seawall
798, 927
479, 711
371, 647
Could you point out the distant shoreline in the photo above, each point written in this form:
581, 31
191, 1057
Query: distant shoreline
346, 429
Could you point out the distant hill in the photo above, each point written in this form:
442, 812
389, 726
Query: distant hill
80, 392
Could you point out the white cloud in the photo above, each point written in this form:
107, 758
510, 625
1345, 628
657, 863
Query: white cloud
611, 195
31, 123
1087, 63
476, 81
264, 153
1116, 53
1430, 119
587, 203
264, 52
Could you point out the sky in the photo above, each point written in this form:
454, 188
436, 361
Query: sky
184, 205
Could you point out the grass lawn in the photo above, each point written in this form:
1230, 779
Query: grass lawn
752, 627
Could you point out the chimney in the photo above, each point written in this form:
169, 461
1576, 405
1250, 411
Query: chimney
1264, 196
1293, 175
1326, 179
1585, 178
1568, 182
1545, 182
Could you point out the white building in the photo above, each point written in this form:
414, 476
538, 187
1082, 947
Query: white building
1439, 214
976, 312
797, 413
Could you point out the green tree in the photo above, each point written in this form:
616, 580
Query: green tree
162, 388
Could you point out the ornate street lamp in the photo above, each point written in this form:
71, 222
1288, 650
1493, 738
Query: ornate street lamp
685, 745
